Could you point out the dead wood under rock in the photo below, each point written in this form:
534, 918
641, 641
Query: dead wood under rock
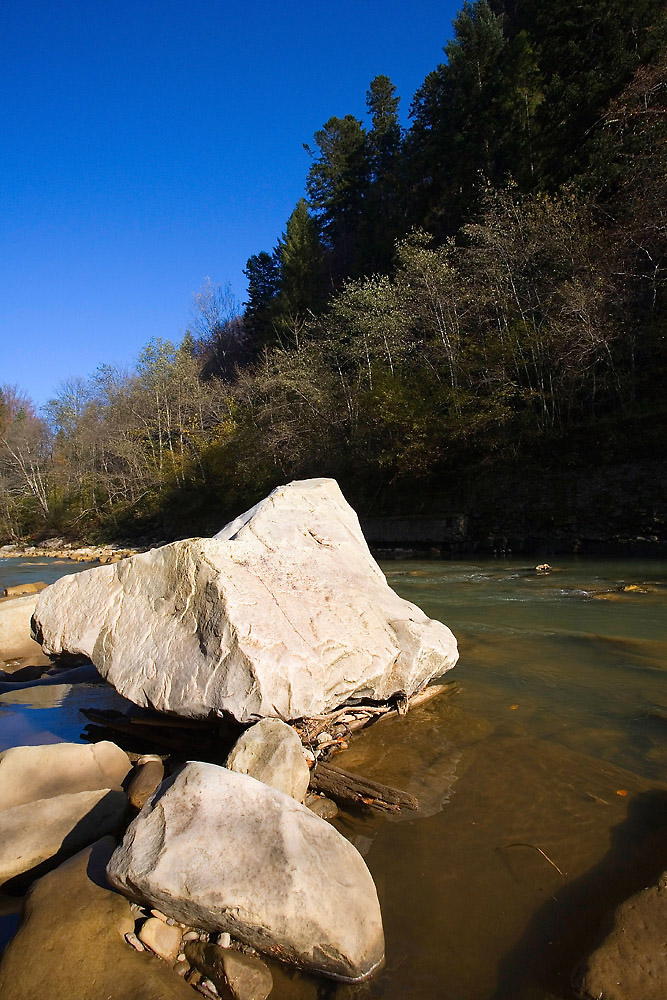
343, 786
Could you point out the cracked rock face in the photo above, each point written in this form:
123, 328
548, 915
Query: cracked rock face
223, 851
283, 613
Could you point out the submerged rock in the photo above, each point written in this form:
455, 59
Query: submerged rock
70, 943
235, 976
272, 752
225, 852
284, 613
631, 962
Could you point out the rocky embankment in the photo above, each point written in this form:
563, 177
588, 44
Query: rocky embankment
57, 548
282, 627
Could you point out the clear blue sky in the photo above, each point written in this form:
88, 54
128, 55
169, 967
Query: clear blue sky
148, 145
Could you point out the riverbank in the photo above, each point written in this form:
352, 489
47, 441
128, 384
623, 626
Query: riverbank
56, 548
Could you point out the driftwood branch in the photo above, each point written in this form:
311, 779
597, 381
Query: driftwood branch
352, 789
352, 718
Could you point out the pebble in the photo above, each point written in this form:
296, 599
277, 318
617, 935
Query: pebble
321, 806
182, 969
180, 957
323, 737
160, 916
191, 936
162, 939
210, 985
132, 939
224, 939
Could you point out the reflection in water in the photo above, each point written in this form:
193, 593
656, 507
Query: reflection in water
562, 706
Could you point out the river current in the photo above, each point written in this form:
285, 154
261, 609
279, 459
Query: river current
542, 780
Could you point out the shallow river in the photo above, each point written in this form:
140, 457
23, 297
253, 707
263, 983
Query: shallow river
551, 755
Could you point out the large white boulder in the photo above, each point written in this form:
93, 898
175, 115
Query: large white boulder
283, 613
223, 851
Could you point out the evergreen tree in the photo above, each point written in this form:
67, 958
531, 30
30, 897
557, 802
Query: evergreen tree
337, 184
459, 126
301, 262
383, 208
587, 52
384, 138
263, 273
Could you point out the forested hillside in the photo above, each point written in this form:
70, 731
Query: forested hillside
477, 299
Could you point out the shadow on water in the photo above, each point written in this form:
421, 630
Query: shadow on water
567, 927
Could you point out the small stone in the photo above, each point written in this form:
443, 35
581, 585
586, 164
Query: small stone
247, 978
132, 939
208, 984
182, 969
163, 940
191, 936
181, 957
321, 806
323, 737
224, 940
160, 916
236, 976
147, 777
271, 751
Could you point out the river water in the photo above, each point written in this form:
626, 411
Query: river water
542, 781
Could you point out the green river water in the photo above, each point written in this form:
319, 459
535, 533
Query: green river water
556, 740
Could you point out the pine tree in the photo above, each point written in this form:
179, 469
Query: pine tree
263, 273
458, 126
337, 184
383, 208
301, 262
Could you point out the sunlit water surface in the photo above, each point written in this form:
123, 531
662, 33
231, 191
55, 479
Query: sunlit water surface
552, 755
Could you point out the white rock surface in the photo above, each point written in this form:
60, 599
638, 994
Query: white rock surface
15, 638
272, 752
283, 613
41, 772
51, 829
222, 851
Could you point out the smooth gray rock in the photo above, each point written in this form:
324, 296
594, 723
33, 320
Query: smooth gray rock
284, 613
42, 772
272, 752
49, 830
225, 852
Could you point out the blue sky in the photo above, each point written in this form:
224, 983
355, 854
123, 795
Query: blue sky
149, 145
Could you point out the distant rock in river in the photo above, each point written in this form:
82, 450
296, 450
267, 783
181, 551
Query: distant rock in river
283, 613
